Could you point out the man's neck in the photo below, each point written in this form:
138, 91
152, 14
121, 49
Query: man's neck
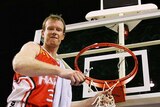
51, 50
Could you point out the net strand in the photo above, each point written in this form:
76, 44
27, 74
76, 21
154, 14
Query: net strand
106, 100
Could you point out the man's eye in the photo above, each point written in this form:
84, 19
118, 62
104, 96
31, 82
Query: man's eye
50, 28
58, 29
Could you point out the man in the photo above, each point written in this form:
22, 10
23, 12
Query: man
40, 78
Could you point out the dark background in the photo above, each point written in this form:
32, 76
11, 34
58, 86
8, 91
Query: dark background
20, 19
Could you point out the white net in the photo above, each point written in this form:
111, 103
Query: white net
107, 99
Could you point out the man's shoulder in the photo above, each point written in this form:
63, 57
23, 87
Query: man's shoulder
31, 45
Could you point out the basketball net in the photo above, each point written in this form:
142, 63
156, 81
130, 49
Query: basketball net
106, 99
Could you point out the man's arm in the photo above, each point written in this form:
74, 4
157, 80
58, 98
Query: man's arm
25, 63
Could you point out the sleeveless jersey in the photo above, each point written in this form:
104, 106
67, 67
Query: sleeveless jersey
34, 91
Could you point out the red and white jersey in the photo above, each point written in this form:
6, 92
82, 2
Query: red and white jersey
34, 91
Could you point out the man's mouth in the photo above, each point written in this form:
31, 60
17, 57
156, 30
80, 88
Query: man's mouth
54, 37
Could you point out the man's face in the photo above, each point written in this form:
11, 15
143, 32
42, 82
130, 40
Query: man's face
53, 33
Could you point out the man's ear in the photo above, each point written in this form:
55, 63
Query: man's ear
63, 36
42, 33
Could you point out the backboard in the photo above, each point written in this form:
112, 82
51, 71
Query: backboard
141, 90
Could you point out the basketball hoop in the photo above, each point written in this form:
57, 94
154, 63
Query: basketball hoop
109, 85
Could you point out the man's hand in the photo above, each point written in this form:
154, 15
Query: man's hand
76, 77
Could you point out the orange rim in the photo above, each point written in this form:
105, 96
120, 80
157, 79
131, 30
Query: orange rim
100, 83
